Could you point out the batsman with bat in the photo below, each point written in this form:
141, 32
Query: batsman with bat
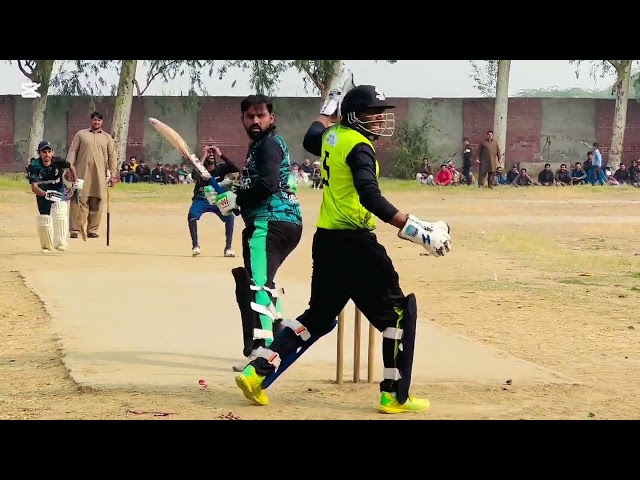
348, 261
202, 192
273, 224
45, 175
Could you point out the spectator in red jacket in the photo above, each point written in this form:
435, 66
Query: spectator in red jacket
444, 176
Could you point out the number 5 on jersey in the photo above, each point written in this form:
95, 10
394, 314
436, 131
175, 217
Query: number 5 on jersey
327, 170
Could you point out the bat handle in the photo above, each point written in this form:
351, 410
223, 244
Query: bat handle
216, 186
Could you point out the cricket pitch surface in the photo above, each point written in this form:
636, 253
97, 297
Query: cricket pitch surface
111, 337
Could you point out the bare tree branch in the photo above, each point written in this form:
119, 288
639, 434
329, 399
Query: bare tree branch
485, 75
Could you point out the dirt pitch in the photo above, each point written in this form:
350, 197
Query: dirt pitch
549, 275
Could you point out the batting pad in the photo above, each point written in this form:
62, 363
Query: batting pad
291, 358
45, 231
60, 218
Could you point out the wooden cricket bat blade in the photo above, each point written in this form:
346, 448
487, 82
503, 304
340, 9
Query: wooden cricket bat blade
178, 142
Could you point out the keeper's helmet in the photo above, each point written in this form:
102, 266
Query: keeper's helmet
363, 109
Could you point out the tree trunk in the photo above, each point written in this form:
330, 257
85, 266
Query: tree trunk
620, 117
324, 91
501, 107
122, 111
42, 75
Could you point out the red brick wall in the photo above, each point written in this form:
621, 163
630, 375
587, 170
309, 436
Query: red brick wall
6, 131
219, 124
605, 110
524, 116
80, 112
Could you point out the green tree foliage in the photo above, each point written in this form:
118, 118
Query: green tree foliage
412, 145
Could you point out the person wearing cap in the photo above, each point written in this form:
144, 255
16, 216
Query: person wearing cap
348, 261
45, 175
93, 153
159, 174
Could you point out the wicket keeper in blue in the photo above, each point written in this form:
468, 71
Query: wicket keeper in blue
203, 200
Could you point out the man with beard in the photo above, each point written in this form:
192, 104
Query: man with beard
273, 223
200, 203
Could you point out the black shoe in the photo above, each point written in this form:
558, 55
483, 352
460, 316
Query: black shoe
74, 235
93, 235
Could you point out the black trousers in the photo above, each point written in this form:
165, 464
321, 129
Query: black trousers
44, 205
348, 265
265, 246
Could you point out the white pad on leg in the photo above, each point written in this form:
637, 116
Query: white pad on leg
60, 218
45, 231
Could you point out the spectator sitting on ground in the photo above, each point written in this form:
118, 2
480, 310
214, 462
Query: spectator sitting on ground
634, 174
425, 175
578, 174
316, 176
299, 176
563, 177
501, 178
444, 176
455, 174
612, 181
172, 178
158, 174
546, 177
523, 179
306, 167
512, 174
143, 172
184, 176
133, 163
622, 175
126, 174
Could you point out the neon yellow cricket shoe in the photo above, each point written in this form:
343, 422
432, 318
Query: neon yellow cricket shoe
251, 385
390, 404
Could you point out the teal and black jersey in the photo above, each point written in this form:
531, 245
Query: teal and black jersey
49, 177
265, 194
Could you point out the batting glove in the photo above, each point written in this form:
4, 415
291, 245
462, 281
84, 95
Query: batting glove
436, 240
53, 196
226, 203
338, 89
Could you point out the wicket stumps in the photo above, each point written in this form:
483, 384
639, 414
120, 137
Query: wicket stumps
357, 329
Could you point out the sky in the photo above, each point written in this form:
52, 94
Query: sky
406, 78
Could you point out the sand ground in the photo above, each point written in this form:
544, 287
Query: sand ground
549, 276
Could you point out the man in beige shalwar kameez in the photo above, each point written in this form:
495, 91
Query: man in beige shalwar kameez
488, 156
93, 154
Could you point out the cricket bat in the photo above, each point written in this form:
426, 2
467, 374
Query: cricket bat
178, 142
83, 231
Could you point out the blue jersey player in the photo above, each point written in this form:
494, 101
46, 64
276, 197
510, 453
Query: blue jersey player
200, 202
